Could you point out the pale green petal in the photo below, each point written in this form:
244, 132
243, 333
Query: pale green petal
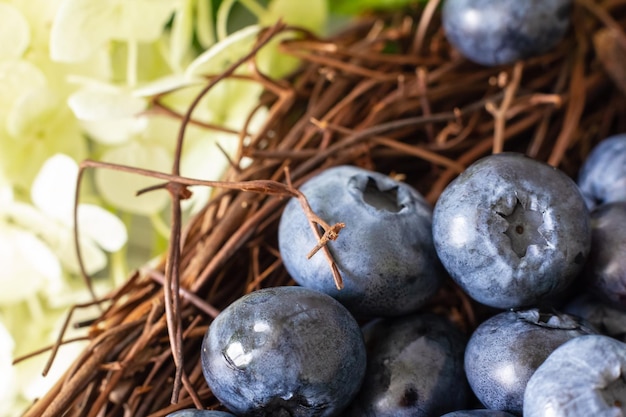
224, 53
164, 84
205, 24
113, 131
54, 132
14, 32
64, 247
26, 264
53, 190
102, 227
145, 20
181, 34
32, 112
30, 218
108, 114
105, 103
83, 26
16, 78
312, 15
119, 188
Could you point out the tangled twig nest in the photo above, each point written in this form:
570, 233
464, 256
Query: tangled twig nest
388, 94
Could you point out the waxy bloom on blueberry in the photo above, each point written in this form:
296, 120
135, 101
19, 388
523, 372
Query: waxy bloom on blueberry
512, 231
494, 32
605, 271
582, 378
414, 368
385, 253
284, 351
505, 350
602, 177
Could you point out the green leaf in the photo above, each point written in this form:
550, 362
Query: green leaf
351, 7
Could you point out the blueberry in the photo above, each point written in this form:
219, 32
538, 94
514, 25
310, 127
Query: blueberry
584, 377
494, 32
385, 253
607, 320
505, 350
512, 231
602, 177
284, 351
414, 368
478, 413
605, 271
199, 413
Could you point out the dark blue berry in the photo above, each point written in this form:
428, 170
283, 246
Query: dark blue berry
608, 320
605, 271
505, 350
494, 32
584, 377
284, 351
512, 231
602, 178
385, 253
414, 368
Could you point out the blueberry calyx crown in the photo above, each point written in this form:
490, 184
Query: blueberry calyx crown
552, 320
380, 195
523, 229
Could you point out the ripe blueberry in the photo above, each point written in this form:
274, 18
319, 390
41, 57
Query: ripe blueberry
584, 377
414, 368
494, 32
284, 351
512, 231
602, 177
385, 253
505, 350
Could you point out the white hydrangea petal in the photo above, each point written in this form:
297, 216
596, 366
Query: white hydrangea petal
224, 53
30, 218
119, 188
14, 32
53, 190
181, 34
104, 103
144, 20
26, 264
16, 78
204, 24
31, 112
94, 258
115, 131
102, 227
164, 84
83, 26
6, 195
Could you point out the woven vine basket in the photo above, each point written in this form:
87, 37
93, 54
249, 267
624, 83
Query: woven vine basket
389, 94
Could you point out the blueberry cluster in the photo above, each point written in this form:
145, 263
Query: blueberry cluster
543, 254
